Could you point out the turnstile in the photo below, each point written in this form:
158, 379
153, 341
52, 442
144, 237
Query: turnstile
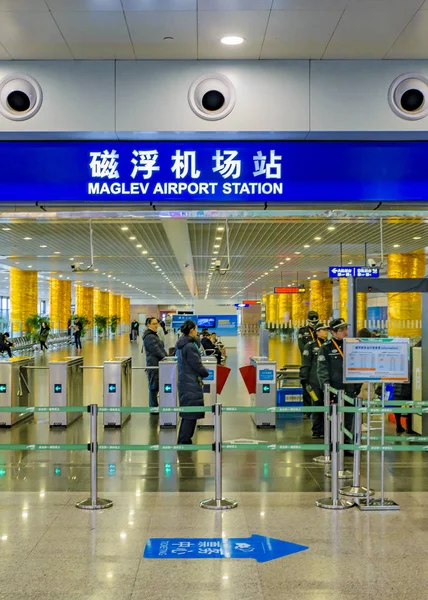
210, 389
65, 389
15, 388
265, 395
168, 391
117, 388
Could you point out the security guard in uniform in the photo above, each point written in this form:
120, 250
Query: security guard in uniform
307, 334
330, 365
309, 377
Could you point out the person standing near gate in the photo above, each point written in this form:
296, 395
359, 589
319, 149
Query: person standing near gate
309, 377
191, 372
155, 352
330, 366
135, 330
305, 335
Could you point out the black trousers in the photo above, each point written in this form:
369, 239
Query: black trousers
318, 417
187, 429
43, 345
77, 339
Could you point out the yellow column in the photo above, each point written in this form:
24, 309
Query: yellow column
300, 308
405, 310
23, 297
60, 303
125, 310
111, 304
317, 297
272, 308
85, 302
343, 298
101, 303
361, 310
327, 311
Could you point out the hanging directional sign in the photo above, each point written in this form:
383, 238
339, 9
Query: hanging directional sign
57, 388
242, 305
112, 388
3, 388
289, 290
353, 272
261, 548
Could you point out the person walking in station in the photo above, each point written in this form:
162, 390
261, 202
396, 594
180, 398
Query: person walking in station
309, 377
155, 352
191, 372
43, 335
305, 335
135, 330
77, 332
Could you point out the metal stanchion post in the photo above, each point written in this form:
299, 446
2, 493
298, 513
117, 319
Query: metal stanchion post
382, 503
218, 503
325, 459
93, 503
356, 490
335, 502
341, 473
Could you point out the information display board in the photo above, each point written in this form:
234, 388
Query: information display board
376, 360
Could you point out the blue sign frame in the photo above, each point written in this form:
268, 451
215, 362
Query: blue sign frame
341, 272
239, 171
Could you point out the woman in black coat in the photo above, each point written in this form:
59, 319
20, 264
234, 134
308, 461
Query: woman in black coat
155, 351
191, 371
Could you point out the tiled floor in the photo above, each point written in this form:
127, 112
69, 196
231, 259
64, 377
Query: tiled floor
51, 550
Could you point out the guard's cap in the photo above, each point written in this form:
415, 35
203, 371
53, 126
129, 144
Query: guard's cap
336, 323
322, 326
313, 315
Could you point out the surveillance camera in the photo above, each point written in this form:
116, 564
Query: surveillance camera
73, 267
186, 265
212, 97
218, 263
20, 97
408, 96
371, 263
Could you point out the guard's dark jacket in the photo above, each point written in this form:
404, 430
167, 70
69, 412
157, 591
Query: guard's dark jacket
191, 371
330, 368
309, 368
305, 335
155, 351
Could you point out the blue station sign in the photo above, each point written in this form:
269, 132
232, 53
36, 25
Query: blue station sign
261, 548
213, 171
353, 272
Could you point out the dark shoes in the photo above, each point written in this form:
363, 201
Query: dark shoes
400, 429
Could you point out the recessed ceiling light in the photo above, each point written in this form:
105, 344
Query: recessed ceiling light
133, 237
349, 262
317, 239
276, 267
297, 253
124, 228
218, 238
29, 266
232, 40
139, 245
216, 245
417, 237
216, 252
266, 273
288, 259
57, 252
43, 246
313, 275
28, 238
331, 228
6, 228
220, 228
306, 246
396, 246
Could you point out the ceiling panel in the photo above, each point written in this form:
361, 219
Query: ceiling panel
4, 55
234, 5
96, 35
299, 33
32, 35
367, 33
310, 4
159, 5
413, 42
87, 5
148, 30
33, 5
251, 25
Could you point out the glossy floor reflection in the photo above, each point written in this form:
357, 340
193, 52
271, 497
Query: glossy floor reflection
140, 472
52, 551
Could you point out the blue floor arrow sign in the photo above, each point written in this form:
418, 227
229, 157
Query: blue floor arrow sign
261, 548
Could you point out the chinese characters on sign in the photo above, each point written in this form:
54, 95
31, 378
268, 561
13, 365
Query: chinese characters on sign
159, 172
376, 360
353, 272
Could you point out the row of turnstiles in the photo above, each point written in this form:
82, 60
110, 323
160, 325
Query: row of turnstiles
66, 389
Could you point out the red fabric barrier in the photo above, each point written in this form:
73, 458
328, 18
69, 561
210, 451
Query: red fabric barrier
249, 376
222, 375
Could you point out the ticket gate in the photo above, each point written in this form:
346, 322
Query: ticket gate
15, 388
210, 389
65, 389
168, 391
265, 394
117, 389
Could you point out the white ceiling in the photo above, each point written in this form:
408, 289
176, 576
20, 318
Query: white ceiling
257, 246
273, 29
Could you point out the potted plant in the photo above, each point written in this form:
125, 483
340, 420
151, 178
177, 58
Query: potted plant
33, 325
101, 323
114, 320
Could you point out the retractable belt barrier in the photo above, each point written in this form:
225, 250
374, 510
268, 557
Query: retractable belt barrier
333, 445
